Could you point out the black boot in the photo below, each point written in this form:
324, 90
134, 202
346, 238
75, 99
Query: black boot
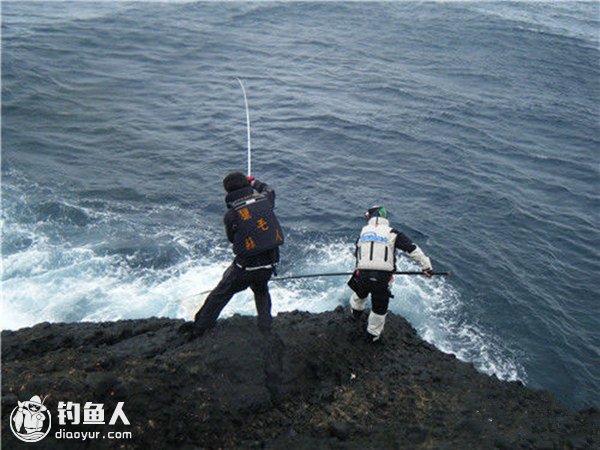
190, 331
373, 340
356, 314
186, 328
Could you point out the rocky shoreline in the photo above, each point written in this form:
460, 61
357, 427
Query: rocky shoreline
314, 383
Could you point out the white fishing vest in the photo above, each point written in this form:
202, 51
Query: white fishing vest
376, 246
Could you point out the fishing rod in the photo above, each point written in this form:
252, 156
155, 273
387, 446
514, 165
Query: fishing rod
312, 275
336, 274
248, 126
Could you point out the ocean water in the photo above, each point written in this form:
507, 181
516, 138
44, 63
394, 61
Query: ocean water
475, 124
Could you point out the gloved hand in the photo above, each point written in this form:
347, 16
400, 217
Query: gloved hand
427, 272
250, 179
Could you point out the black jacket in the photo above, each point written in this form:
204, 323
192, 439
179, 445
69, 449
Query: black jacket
261, 259
403, 242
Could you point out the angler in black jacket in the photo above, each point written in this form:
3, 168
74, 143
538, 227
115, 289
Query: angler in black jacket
254, 231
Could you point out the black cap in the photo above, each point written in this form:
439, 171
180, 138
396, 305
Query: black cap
235, 181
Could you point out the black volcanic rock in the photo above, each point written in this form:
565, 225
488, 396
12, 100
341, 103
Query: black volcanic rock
314, 383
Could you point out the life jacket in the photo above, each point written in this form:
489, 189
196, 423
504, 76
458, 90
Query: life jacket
376, 247
257, 227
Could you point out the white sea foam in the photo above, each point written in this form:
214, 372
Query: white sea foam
56, 283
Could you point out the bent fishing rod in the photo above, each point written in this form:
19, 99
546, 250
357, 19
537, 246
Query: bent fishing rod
248, 127
311, 275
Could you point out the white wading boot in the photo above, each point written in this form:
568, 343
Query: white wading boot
375, 327
357, 306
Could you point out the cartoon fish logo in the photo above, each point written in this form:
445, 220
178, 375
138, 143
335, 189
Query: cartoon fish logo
30, 421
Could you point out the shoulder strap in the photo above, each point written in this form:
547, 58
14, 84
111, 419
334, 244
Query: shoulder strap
248, 200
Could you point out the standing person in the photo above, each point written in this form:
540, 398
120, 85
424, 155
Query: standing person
254, 231
375, 263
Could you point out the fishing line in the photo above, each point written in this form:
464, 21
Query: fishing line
296, 277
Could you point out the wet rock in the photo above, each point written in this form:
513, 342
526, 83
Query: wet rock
9, 401
314, 383
577, 442
341, 430
100, 383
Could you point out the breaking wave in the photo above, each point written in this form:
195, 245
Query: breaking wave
46, 278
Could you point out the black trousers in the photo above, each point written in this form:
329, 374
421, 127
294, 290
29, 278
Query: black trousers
376, 283
235, 280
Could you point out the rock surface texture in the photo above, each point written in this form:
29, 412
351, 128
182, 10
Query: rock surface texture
314, 383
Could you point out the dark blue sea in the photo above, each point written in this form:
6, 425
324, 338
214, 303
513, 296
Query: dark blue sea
477, 125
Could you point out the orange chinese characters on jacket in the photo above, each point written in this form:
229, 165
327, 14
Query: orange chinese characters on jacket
245, 214
249, 243
261, 224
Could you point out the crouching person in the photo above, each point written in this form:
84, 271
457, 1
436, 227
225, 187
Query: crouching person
375, 264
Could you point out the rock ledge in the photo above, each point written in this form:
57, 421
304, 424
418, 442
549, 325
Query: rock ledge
314, 383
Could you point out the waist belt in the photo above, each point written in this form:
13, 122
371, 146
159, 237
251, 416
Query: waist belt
269, 266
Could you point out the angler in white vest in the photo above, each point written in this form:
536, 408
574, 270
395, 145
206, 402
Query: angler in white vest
375, 263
